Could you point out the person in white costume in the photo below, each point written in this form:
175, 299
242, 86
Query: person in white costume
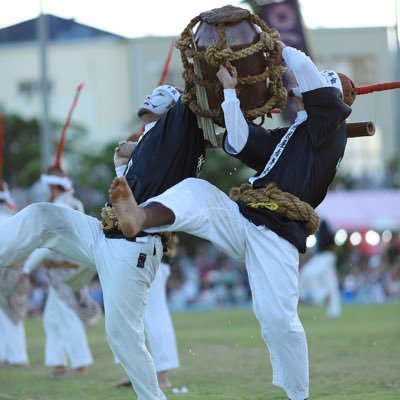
319, 283
67, 311
294, 165
13, 300
158, 324
171, 150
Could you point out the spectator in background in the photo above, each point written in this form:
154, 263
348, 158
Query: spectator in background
67, 311
13, 300
318, 280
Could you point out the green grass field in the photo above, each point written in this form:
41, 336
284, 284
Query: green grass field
356, 357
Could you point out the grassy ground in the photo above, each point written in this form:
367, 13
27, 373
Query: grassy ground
356, 357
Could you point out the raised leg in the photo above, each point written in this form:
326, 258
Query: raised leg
45, 225
132, 218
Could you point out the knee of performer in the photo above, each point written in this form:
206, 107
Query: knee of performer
116, 335
198, 182
41, 208
42, 212
277, 325
197, 187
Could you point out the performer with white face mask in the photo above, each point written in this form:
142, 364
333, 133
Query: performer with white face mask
158, 324
171, 150
264, 224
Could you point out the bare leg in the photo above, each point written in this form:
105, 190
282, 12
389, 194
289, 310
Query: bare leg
132, 218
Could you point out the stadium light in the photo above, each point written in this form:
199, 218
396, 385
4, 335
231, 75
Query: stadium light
311, 241
340, 237
387, 236
355, 238
372, 238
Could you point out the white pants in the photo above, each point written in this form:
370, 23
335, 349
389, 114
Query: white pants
158, 324
124, 280
65, 334
272, 265
12, 341
319, 282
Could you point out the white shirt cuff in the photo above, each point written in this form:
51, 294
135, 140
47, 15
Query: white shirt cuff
230, 94
119, 171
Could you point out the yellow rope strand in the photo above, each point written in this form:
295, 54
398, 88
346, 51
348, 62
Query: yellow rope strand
276, 200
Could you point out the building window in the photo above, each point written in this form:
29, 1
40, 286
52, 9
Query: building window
364, 68
30, 88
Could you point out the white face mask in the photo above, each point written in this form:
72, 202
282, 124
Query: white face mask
161, 99
158, 102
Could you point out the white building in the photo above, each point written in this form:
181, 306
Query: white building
118, 72
368, 56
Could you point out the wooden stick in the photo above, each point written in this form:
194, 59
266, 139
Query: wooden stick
360, 129
61, 143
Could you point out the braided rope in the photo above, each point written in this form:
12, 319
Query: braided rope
219, 53
274, 199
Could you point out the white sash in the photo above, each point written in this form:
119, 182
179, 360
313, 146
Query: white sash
301, 117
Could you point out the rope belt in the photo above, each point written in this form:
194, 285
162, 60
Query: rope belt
110, 223
109, 219
274, 199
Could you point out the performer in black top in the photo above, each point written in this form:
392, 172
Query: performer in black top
171, 149
266, 223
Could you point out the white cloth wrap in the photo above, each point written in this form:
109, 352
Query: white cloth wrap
125, 285
272, 265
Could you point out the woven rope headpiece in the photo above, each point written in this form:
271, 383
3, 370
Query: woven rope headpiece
219, 53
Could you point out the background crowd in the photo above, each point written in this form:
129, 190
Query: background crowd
202, 277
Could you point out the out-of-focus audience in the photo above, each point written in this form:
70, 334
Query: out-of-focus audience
372, 278
208, 279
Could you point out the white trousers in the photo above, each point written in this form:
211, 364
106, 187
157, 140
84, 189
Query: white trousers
158, 323
319, 282
12, 341
272, 265
125, 281
65, 334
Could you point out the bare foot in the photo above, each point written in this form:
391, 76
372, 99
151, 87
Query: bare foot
58, 372
124, 382
77, 371
130, 215
163, 380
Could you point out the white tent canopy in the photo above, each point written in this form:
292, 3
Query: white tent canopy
362, 209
